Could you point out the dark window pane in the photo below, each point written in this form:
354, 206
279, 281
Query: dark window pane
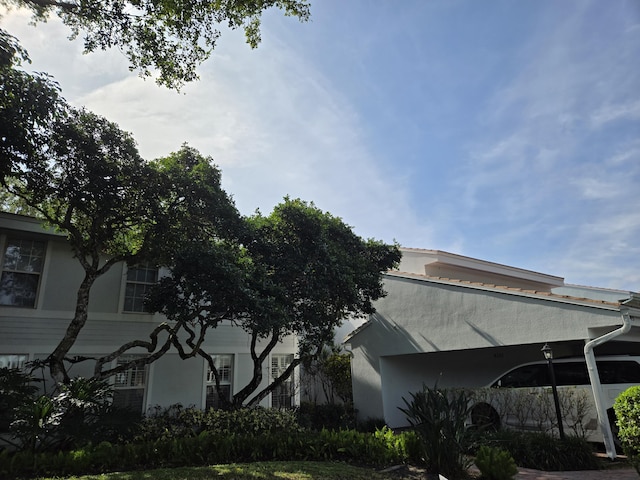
18, 289
213, 400
619, 372
282, 396
526, 376
574, 373
139, 281
24, 255
131, 398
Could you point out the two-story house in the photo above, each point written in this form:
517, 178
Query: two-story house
38, 287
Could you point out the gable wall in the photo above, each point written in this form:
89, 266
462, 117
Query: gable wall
428, 332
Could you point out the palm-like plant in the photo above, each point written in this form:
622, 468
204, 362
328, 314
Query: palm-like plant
439, 417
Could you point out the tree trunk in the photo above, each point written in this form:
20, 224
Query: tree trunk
57, 368
240, 397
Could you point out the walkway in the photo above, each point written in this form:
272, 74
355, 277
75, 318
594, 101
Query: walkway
610, 474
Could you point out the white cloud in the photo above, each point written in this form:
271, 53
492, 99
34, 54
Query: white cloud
273, 123
611, 113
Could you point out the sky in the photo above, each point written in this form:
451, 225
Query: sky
507, 131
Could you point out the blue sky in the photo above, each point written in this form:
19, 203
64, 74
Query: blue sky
503, 130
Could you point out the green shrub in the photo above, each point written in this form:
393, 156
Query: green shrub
495, 463
16, 388
330, 416
255, 420
177, 421
438, 417
77, 413
542, 451
627, 409
381, 448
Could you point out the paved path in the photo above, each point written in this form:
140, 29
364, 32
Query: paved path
612, 474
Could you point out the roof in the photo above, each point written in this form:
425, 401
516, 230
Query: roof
438, 257
24, 223
543, 295
509, 290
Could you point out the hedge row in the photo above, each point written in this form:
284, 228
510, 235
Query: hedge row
380, 448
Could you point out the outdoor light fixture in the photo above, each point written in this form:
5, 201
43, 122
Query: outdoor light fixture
548, 355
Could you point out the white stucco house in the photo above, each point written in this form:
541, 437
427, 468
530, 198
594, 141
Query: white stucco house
38, 285
462, 322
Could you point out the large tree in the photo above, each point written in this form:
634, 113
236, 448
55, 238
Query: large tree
300, 271
164, 35
113, 206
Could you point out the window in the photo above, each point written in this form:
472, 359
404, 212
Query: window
13, 361
526, 376
21, 269
619, 372
224, 365
129, 385
282, 395
140, 279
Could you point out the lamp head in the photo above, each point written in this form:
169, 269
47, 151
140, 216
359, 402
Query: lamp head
547, 352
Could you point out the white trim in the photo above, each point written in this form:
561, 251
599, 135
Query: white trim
446, 258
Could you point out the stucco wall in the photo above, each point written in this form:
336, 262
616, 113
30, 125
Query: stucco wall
173, 380
423, 332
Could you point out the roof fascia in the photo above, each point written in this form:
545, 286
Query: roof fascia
602, 305
446, 258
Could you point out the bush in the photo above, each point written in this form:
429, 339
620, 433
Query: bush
542, 451
77, 413
17, 388
381, 448
495, 463
177, 421
438, 417
627, 409
329, 416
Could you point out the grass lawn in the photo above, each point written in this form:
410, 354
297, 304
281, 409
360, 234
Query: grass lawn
248, 471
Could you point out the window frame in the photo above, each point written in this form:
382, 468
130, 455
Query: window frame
210, 382
130, 374
283, 396
20, 364
146, 284
5, 241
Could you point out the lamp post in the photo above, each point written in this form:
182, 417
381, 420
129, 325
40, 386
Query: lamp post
548, 354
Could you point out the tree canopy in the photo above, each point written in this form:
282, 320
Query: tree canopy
30, 104
170, 37
299, 271
114, 207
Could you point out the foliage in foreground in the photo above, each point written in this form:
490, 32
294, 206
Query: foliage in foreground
544, 452
169, 37
495, 463
439, 418
207, 448
627, 408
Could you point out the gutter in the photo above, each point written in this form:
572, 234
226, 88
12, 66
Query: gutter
596, 387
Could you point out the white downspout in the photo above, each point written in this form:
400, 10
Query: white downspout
596, 387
